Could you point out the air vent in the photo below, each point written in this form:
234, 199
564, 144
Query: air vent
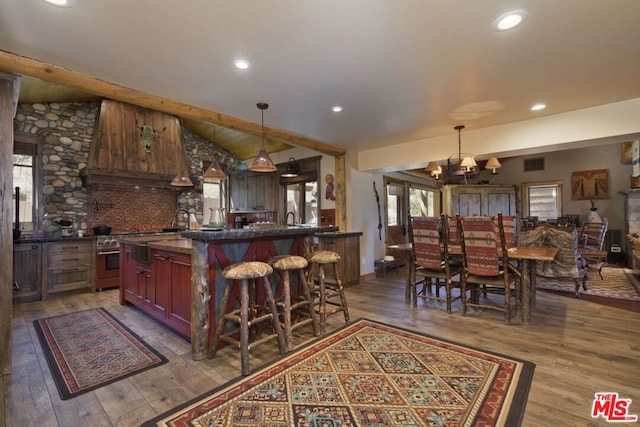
536, 164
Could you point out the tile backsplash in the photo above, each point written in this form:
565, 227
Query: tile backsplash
131, 209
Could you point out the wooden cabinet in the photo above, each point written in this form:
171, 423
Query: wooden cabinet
67, 266
468, 200
160, 288
253, 191
27, 281
173, 288
347, 245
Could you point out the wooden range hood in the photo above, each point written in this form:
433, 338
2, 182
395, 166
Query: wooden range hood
134, 146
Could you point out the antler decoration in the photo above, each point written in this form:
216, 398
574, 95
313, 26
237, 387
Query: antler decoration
375, 190
147, 134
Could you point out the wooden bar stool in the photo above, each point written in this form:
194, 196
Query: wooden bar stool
330, 293
302, 300
249, 314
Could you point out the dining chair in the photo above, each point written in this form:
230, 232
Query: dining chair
486, 266
592, 240
431, 257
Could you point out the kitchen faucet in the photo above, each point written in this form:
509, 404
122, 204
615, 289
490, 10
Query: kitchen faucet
174, 221
286, 218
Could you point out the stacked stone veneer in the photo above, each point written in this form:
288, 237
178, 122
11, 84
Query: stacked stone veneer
66, 130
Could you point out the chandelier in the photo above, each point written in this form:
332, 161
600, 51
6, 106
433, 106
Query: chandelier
459, 164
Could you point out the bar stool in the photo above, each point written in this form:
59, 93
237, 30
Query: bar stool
302, 299
249, 314
328, 291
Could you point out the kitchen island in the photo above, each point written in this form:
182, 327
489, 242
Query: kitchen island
179, 281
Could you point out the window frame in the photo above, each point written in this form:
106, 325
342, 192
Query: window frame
524, 195
33, 145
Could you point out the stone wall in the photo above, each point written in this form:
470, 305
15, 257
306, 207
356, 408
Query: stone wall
66, 130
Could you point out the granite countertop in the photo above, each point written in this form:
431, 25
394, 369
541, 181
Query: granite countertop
339, 234
249, 233
176, 245
51, 239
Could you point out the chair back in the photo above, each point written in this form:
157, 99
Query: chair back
481, 245
427, 241
510, 227
592, 235
454, 242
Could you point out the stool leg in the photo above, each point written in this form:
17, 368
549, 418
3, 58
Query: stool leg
286, 293
274, 314
221, 320
343, 298
244, 326
304, 285
323, 301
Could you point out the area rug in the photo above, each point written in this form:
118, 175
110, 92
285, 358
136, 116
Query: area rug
89, 349
369, 374
614, 284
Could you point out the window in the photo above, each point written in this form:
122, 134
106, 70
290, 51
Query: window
214, 202
26, 173
542, 200
423, 201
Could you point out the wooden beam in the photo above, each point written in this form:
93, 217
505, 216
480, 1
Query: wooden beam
17, 64
6, 219
341, 192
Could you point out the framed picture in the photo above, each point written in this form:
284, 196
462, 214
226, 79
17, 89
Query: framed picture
590, 185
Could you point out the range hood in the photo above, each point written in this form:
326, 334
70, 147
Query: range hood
134, 146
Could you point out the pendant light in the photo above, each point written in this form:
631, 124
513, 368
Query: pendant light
292, 169
214, 172
263, 162
182, 179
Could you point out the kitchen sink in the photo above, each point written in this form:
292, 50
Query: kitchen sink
141, 252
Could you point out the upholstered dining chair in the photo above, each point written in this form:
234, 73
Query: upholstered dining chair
486, 266
431, 257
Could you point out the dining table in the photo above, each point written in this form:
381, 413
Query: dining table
528, 255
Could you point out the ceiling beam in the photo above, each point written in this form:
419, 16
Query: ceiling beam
12, 63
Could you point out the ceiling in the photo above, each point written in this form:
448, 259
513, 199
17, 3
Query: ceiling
402, 71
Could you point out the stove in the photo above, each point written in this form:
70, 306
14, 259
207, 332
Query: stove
107, 262
106, 244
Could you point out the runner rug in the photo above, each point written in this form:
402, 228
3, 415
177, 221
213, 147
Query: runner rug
369, 373
615, 283
91, 348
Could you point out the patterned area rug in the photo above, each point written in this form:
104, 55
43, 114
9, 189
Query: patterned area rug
91, 348
369, 373
616, 283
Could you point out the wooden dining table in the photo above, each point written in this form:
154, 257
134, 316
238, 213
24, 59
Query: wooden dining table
529, 255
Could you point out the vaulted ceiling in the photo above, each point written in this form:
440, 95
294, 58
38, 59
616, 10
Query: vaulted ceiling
402, 71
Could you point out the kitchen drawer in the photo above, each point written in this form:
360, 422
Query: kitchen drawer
69, 258
69, 247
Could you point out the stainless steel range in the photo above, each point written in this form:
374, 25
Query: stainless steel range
107, 262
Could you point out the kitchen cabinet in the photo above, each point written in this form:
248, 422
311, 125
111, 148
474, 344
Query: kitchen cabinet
173, 287
347, 245
160, 288
27, 262
469, 200
67, 266
253, 191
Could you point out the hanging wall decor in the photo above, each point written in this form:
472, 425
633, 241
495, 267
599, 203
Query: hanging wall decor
590, 185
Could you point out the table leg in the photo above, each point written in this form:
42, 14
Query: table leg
526, 291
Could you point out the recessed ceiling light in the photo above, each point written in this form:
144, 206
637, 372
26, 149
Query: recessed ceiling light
539, 106
510, 20
59, 3
241, 64
336, 108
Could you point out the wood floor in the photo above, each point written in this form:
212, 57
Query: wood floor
579, 348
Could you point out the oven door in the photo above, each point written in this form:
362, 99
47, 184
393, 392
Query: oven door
108, 269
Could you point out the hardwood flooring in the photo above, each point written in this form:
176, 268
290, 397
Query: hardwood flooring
579, 348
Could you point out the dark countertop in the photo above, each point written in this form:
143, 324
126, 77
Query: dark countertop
52, 239
338, 234
251, 233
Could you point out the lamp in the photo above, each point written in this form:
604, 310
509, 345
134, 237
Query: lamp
182, 179
263, 162
435, 169
493, 164
214, 172
292, 169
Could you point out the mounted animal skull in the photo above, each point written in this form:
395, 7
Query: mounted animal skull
147, 135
